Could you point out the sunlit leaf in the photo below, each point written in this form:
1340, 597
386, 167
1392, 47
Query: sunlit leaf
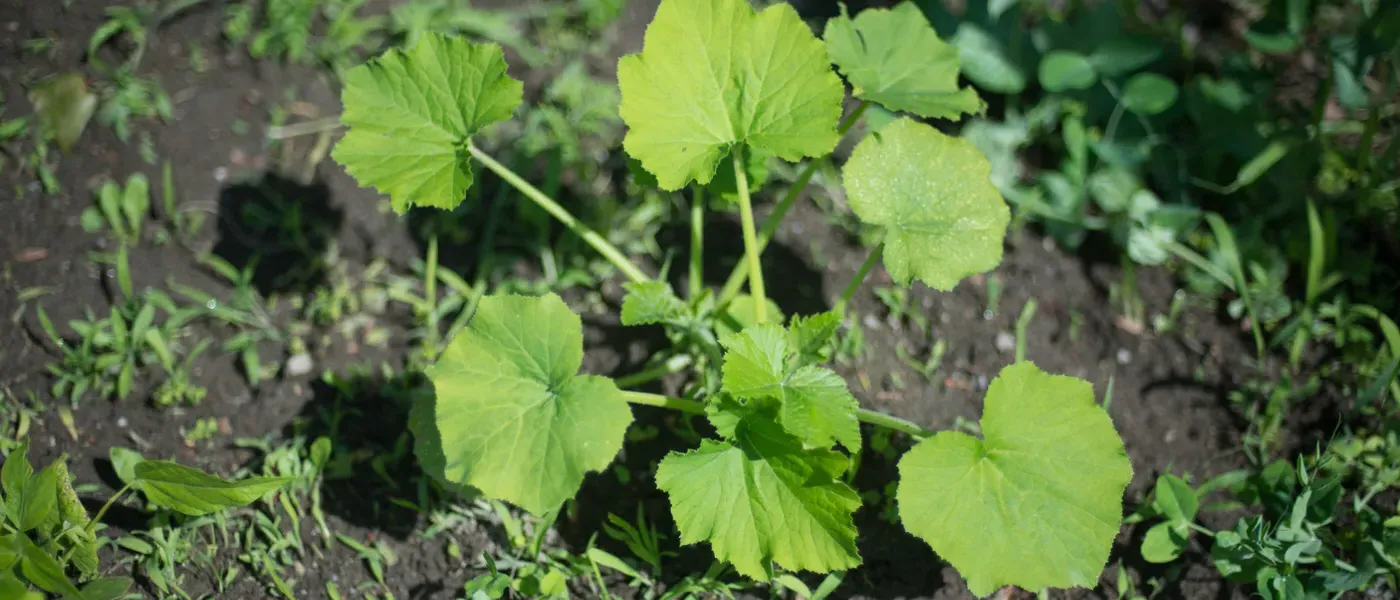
895, 58
1034, 503
943, 218
761, 497
713, 74
814, 403
410, 115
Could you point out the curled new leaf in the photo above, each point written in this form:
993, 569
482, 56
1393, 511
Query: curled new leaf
713, 74
1037, 501
512, 415
411, 115
813, 402
193, 492
895, 58
933, 194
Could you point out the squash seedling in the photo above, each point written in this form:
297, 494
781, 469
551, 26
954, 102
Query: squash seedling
1035, 502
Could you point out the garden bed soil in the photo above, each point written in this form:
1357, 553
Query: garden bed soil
1168, 392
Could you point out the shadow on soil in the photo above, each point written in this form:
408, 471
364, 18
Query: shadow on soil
281, 226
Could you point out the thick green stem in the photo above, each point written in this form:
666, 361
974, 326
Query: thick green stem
859, 277
599, 243
775, 217
697, 242
697, 408
430, 294
751, 249
680, 404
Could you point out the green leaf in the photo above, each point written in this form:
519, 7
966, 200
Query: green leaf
649, 302
64, 106
986, 62
411, 114
811, 336
13, 475
1062, 70
82, 540
739, 315
124, 461
894, 57
10, 551
713, 74
193, 492
1175, 500
762, 497
1037, 501
1162, 544
12, 588
515, 418
107, 588
1149, 94
1121, 56
43, 570
36, 500
815, 404
944, 220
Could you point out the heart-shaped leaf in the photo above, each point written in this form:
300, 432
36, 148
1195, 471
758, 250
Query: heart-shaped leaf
515, 418
895, 58
713, 74
411, 114
933, 194
1037, 501
761, 497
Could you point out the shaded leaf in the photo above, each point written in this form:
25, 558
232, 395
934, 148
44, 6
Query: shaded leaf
1149, 94
516, 419
649, 302
1062, 70
815, 404
985, 61
64, 106
193, 492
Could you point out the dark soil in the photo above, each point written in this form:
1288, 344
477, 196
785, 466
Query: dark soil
1168, 391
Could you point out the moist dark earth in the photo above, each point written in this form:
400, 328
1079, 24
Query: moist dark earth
1168, 391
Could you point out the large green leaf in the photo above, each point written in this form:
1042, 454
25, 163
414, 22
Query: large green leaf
42, 569
410, 115
193, 492
713, 74
761, 497
37, 500
895, 58
515, 418
1037, 501
815, 404
944, 219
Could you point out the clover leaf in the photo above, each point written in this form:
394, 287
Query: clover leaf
515, 418
894, 57
410, 116
944, 219
762, 497
713, 74
1037, 501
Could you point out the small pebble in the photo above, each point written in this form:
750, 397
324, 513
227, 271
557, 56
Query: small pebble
122, 422
1124, 356
299, 365
220, 174
1005, 342
981, 382
871, 322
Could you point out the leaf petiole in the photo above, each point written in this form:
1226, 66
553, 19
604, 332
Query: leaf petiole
751, 249
859, 277
599, 243
871, 417
775, 217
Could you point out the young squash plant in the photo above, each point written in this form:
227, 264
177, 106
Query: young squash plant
1035, 502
